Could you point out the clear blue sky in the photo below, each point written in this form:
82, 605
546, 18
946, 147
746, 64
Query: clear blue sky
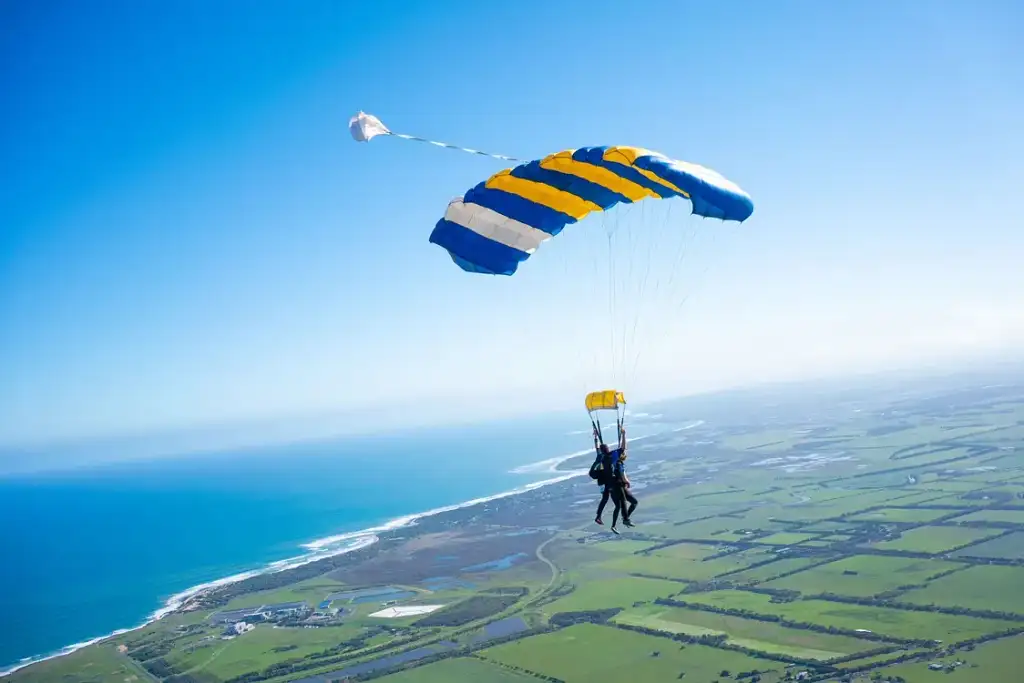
188, 235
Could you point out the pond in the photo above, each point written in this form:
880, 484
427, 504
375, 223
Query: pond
496, 565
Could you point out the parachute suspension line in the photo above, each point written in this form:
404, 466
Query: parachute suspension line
641, 299
685, 241
685, 245
611, 306
629, 296
593, 327
701, 276
614, 243
590, 281
631, 325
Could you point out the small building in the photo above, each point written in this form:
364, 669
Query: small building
238, 628
263, 612
936, 666
282, 610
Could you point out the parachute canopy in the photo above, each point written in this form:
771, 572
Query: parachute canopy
609, 399
499, 223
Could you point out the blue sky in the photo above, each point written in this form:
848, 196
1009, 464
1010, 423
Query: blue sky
188, 235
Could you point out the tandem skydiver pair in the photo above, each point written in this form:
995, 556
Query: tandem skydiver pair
609, 467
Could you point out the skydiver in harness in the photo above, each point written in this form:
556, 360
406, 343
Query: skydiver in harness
621, 486
601, 471
611, 477
608, 468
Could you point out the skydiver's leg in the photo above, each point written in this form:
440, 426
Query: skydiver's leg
617, 499
628, 513
605, 494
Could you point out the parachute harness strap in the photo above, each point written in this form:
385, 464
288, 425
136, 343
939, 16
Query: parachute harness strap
620, 419
597, 429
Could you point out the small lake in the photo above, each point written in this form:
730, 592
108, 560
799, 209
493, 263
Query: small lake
446, 583
496, 565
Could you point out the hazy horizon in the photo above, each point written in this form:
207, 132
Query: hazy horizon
211, 439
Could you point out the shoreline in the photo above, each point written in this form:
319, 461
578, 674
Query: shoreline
319, 549
341, 544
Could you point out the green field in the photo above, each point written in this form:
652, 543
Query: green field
853, 504
597, 594
1010, 547
622, 546
982, 588
97, 663
995, 662
936, 539
312, 592
928, 496
771, 570
718, 500
764, 517
827, 527
682, 561
786, 538
717, 529
890, 622
904, 515
587, 653
882, 658
764, 441
749, 633
456, 670
861, 575
1008, 516
255, 650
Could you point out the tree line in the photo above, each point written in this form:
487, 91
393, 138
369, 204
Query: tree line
782, 621
874, 601
721, 642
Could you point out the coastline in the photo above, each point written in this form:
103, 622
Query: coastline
344, 543
319, 549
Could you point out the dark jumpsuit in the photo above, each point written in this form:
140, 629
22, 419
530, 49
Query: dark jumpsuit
606, 481
620, 493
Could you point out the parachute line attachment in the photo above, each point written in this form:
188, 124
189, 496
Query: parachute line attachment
364, 127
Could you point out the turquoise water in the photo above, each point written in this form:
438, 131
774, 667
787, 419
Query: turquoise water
94, 550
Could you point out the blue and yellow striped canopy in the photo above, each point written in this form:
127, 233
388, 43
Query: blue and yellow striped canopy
499, 223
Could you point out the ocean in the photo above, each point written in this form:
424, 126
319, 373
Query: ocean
90, 551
